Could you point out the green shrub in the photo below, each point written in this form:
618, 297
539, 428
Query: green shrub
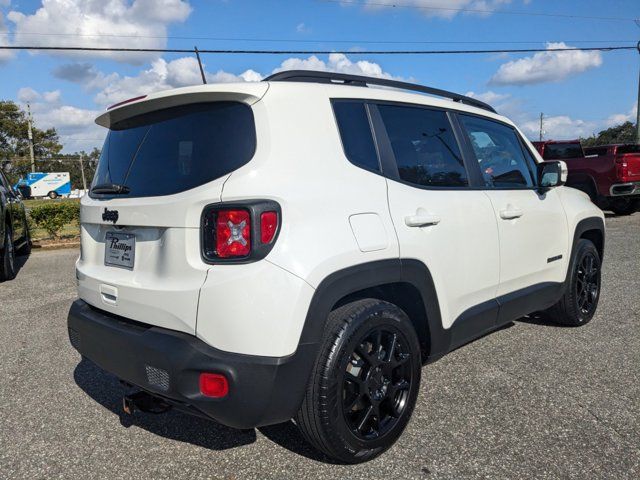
55, 215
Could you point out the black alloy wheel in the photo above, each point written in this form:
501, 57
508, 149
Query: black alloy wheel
588, 283
376, 383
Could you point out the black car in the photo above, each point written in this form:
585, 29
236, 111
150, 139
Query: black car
14, 229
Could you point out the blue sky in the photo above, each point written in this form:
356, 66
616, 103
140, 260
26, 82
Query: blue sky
579, 92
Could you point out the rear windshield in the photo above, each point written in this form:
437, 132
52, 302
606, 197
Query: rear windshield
176, 149
559, 151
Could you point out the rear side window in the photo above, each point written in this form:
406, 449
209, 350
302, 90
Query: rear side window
355, 132
628, 149
598, 151
499, 153
562, 151
424, 146
176, 149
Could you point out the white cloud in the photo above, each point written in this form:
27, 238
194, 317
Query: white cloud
489, 96
184, 71
4, 40
75, 126
337, 62
302, 28
162, 75
546, 66
440, 8
618, 118
559, 127
82, 21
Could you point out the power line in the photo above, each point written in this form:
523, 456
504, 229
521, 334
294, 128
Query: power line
298, 40
477, 10
315, 52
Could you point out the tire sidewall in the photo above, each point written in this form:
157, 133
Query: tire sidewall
8, 267
380, 315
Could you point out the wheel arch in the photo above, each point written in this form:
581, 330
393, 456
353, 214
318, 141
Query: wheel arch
405, 283
591, 228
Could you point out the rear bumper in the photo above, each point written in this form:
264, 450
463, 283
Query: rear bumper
166, 363
629, 188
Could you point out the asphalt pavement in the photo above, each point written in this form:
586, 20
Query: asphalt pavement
531, 400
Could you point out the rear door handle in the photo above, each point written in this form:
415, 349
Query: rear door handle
510, 213
421, 220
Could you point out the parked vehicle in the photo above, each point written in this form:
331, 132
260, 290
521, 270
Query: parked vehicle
609, 174
14, 229
300, 247
39, 184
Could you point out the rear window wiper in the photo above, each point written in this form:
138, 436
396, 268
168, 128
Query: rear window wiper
113, 188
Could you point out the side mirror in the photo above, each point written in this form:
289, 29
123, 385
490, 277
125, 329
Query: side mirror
552, 174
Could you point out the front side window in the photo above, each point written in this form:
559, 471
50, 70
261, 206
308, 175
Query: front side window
499, 153
355, 132
424, 146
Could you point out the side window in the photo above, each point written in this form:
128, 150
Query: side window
355, 133
499, 153
424, 146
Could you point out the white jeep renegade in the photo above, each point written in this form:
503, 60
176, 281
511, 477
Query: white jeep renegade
300, 247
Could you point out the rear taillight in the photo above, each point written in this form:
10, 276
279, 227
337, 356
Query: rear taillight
622, 168
233, 233
239, 233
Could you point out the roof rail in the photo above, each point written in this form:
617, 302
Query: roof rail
362, 81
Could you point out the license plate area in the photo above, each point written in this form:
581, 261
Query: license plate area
119, 250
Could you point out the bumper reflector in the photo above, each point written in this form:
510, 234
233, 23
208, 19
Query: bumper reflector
214, 385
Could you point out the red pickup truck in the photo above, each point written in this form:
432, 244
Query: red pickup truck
609, 174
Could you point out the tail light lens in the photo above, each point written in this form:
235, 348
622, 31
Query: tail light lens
239, 233
233, 233
622, 168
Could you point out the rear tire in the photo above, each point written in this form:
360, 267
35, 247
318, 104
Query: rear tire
52, 195
624, 206
364, 384
8, 264
580, 300
26, 248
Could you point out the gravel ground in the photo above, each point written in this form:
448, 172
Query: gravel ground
529, 401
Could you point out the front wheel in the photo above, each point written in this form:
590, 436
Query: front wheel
364, 384
580, 300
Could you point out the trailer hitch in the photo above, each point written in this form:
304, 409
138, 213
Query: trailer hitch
144, 402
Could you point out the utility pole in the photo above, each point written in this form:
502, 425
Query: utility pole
638, 105
541, 125
30, 136
84, 181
